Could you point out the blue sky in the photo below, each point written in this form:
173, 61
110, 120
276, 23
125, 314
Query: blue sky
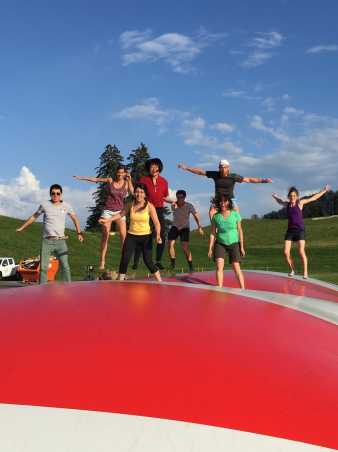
253, 82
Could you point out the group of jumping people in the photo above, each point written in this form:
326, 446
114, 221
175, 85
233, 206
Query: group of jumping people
146, 213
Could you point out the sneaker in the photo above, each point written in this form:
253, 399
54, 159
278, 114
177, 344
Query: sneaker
292, 273
159, 266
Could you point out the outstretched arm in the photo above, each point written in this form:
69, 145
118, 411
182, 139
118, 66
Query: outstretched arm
316, 196
27, 223
257, 180
108, 180
198, 171
279, 200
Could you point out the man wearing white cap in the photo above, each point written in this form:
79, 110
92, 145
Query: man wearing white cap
224, 182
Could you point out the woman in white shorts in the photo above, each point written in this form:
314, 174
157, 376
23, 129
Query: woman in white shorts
118, 188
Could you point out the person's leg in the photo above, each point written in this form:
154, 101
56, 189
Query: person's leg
44, 260
172, 254
172, 236
122, 228
187, 253
137, 255
301, 250
61, 250
160, 246
219, 271
104, 244
127, 251
239, 275
287, 254
147, 251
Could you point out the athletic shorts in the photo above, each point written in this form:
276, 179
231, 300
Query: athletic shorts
295, 235
213, 203
183, 234
110, 213
232, 250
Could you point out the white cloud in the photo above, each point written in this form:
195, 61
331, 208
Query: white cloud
149, 109
256, 58
238, 94
266, 40
193, 132
130, 39
262, 44
323, 48
21, 196
175, 49
223, 127
269, 103
258, 124
293, 111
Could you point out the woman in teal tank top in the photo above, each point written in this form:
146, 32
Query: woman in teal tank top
227, 237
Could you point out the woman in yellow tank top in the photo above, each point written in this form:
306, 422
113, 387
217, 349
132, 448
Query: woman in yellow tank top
139, 233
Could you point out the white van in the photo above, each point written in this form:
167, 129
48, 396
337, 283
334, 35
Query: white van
7, 267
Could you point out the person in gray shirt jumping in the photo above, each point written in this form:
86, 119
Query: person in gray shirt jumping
53, 237
181, 228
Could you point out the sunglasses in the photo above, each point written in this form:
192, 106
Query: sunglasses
56, 193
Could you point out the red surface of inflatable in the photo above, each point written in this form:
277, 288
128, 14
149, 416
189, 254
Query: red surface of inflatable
171, 352
269, 282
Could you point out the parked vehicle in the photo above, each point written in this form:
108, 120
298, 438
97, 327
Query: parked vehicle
8, 267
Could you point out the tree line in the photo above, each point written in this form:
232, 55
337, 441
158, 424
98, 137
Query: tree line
325, 206
109, 161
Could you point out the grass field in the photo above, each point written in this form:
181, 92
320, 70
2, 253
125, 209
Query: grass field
263, 245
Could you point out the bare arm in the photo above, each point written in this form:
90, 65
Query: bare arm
198, 171
279, 200
197, 218
107, 180
318, 195
27, 223
241, 237
212, 239
130, 186
76, 222
153, 216
257, 180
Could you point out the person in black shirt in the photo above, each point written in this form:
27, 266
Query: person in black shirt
224, 182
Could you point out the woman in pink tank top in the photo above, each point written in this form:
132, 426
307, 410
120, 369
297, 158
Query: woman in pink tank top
117, 189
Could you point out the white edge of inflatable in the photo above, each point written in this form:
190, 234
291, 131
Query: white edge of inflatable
40, 429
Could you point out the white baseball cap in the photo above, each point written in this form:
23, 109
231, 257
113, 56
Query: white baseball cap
224, 163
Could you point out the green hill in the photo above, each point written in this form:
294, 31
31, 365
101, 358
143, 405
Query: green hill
263, 244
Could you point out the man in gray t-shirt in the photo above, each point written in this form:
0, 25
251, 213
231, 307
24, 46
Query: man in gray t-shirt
181, 228
53, 236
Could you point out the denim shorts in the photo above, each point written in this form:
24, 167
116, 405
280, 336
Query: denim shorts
110, 213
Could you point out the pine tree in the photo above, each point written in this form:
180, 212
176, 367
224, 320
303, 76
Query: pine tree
110, 159
137, 159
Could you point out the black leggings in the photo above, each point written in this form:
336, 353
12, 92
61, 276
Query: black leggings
160, 246
144, 244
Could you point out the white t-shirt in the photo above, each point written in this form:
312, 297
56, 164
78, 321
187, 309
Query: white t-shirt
54, 218
181, 215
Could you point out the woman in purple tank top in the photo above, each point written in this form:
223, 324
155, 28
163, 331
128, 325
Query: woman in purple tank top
296, 230
118, 188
